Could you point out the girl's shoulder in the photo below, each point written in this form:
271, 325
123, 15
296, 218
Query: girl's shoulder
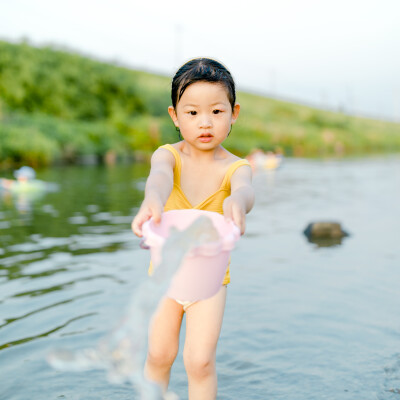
235, 163
231, 158
163, 155
177, 146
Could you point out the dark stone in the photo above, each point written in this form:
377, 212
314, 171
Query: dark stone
325, 234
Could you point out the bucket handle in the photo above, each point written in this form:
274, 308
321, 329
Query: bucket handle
143, 245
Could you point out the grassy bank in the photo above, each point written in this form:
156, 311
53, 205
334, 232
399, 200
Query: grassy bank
57, 106
307, 132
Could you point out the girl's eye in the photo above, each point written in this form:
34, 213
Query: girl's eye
216, 111
192, 112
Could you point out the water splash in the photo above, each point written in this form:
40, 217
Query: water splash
122, 352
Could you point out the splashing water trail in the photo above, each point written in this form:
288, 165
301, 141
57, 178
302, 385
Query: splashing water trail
122, 352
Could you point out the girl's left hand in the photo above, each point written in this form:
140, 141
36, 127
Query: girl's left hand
241, 200
235, 211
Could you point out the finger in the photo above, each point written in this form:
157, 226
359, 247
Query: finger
243, 227
136, 228
138, 222
239, 219
133, 224
156, 214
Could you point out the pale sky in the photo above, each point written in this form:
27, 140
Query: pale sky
331, 54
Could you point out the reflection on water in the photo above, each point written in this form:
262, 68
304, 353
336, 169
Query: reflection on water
23, 199
302, 322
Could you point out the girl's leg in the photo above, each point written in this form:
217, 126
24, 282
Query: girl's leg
203, 326
163, 341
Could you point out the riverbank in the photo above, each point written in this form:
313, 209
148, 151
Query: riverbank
61, 107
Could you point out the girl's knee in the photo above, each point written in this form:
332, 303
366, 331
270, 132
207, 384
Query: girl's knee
162, 357
199, 365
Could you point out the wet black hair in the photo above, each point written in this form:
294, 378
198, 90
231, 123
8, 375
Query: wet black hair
202, 70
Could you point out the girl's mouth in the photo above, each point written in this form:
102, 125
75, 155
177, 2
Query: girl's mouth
205, 137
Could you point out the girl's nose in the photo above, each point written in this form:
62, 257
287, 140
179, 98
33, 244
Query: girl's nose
205, 122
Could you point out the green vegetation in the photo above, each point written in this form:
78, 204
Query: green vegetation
307, 132
57, 106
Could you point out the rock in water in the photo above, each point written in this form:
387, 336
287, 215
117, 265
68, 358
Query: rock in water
325, 233
325, 230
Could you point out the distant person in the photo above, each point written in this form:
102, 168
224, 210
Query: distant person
260, 160
199, 173
23, 176
272, 160
256, 158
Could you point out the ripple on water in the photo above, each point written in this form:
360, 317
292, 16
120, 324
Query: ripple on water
301, 323
78, 220
39, 243
20, 258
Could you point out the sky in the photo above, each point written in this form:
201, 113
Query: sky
339, 55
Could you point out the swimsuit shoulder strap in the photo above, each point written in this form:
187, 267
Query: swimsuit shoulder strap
232, 168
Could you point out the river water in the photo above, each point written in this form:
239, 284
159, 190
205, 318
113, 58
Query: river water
303, 321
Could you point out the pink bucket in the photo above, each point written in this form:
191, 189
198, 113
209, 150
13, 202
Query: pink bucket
203, 269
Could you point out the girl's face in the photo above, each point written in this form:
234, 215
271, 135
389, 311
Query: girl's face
204, 115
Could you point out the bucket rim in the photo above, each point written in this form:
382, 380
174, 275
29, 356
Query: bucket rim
225, 243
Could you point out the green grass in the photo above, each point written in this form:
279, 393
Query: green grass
57, 106
303, 131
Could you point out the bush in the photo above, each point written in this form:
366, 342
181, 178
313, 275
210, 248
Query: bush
65, 85
26, 145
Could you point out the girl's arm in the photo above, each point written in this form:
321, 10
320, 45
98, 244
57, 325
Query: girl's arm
241, 200
158, 188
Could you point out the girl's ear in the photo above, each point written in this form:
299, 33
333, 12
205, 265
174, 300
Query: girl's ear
235, 113
172, 114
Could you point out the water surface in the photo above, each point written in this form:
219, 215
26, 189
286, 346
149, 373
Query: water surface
302, 322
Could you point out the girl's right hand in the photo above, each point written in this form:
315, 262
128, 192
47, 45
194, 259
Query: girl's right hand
149, 208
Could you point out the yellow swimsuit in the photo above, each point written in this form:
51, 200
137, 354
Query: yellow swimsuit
178, 201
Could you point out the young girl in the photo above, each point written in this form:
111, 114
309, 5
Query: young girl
196, 172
